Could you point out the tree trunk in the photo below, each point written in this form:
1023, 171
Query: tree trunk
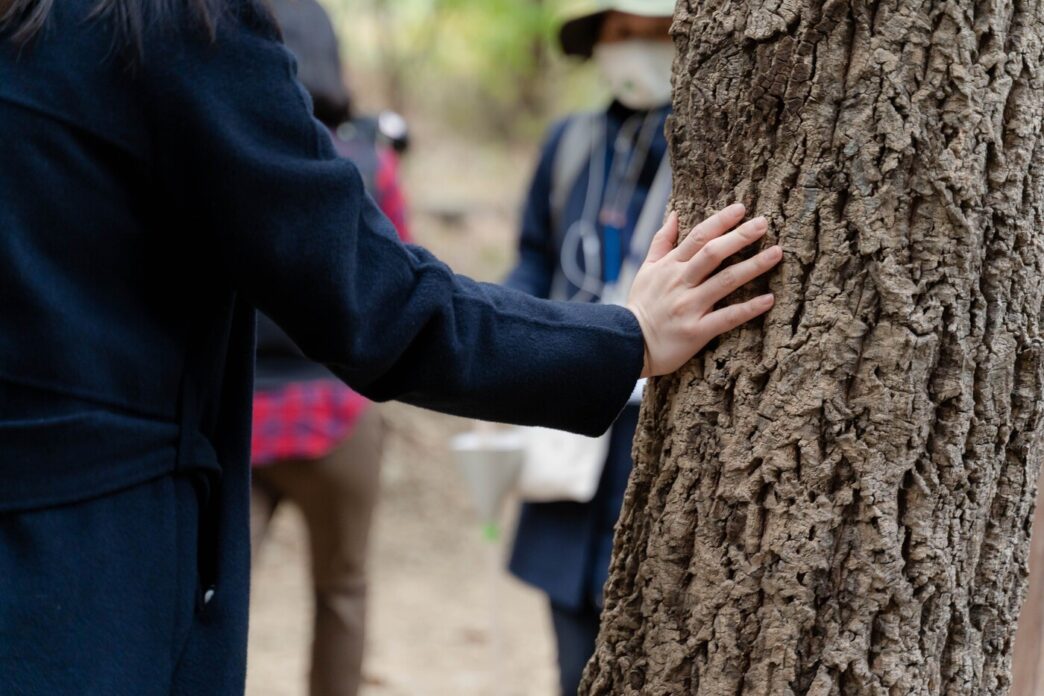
839, 501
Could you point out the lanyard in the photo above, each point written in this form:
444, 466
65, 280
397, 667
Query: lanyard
630, 154
607, 201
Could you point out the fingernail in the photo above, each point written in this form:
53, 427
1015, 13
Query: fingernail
761, 222
766, 300
736, 208
774, 253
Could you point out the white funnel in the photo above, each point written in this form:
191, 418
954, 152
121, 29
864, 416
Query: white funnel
490, 461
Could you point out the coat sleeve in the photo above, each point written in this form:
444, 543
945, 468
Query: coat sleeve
288, 225
537, 254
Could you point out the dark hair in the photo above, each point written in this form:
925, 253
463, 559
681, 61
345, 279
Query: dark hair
24, 19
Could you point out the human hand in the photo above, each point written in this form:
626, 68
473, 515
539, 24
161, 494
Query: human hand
674, 292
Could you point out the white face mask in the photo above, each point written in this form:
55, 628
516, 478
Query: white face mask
638, 71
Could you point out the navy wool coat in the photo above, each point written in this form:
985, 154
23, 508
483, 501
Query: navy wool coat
144, 214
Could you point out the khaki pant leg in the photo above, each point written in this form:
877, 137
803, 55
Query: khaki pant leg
337, 495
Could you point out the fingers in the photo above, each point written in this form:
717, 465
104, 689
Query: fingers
728, 318
711, 228
732, 278
717, 250
664, 240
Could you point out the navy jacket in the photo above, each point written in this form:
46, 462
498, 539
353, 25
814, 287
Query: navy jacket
564, 548
144, 214
279, 360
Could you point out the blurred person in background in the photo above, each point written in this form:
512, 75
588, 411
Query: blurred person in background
316, 442
599, 193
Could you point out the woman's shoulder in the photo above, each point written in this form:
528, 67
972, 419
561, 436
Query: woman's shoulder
69, 74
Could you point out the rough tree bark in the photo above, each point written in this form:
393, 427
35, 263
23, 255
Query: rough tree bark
838, 501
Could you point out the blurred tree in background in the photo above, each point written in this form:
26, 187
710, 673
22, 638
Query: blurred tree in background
490, 66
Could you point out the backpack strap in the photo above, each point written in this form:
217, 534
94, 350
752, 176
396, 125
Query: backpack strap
581, 136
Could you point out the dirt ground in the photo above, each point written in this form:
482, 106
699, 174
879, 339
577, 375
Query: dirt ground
445, 619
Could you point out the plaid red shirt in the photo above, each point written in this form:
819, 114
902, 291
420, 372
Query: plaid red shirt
303, 420
388, 194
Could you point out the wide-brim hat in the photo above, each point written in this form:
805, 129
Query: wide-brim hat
583, 21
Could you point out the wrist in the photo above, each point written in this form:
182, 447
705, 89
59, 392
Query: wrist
643, 328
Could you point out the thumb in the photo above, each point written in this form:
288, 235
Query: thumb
664, 240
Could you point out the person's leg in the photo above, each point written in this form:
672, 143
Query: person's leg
337, 495
264, 499
575, 633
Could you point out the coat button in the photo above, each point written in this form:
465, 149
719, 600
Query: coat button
208, 595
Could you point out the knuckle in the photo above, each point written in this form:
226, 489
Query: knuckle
676, 311
712, 251
683, 309
734, 316
728, 278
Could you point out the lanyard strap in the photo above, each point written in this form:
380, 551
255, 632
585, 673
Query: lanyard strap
649, 222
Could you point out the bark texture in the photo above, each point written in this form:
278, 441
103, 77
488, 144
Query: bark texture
839, 501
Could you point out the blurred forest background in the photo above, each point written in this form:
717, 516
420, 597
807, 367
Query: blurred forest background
488, 65
478, 82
